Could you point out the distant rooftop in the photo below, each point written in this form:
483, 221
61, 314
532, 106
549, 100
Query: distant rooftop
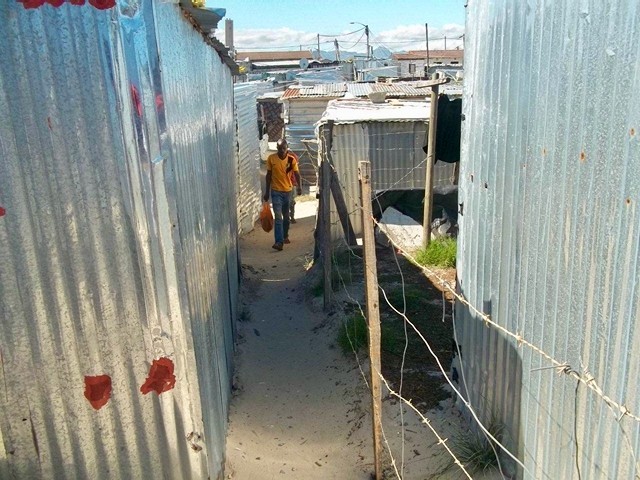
361, 110
354, 89
422, 54
274, 56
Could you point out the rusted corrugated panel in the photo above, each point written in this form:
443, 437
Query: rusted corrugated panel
119, 242
550, 232
332, 90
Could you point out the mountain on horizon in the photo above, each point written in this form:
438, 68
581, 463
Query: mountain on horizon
380, 53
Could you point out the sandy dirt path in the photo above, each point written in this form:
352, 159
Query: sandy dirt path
297, 408
300, 409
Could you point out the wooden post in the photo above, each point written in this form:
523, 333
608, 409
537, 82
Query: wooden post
373, 311
431, 153
325, 199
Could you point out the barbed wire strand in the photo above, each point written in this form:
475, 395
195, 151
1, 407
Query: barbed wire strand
426, 421
406, 320
561, 367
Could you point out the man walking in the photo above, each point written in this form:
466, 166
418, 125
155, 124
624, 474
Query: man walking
279, 186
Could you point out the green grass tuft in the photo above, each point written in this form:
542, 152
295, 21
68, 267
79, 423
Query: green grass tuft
476, 451
354, 335
441, 252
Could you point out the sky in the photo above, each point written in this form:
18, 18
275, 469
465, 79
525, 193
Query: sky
398, 25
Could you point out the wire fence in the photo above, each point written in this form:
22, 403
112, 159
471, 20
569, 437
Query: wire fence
347, 265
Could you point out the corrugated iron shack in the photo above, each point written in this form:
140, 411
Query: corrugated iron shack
390, 135
304, 106
550, 233
119, 265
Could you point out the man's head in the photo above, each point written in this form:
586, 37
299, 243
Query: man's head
283, 147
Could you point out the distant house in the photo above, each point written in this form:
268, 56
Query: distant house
414, 61
275, 60
304, 105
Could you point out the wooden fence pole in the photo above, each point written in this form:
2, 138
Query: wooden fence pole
431, 153
373, 311
325, 199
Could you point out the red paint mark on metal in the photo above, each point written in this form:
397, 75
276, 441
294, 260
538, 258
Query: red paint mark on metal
32, 3
97, 389
159, 101
161, 377
103, 4
135, 97
3, 212
99, 4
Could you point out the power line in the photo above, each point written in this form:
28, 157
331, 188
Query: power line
341, 34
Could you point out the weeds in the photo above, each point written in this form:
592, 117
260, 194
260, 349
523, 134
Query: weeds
354, 335
441, 252
476, 451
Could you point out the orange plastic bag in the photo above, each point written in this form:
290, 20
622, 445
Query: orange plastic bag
266, 218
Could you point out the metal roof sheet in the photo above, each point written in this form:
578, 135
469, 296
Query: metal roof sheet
398, 90
272, 56
360, 110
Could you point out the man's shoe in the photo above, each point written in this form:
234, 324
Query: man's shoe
293, 220
277, 246
287, 241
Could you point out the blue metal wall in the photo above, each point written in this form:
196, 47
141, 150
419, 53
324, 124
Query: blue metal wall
118, 241
550, 228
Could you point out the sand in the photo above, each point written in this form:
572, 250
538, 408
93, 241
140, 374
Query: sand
300, 408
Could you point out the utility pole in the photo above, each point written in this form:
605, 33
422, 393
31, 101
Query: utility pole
445, 43
366, 32
426, 27
373, 312
319, 56
335, 43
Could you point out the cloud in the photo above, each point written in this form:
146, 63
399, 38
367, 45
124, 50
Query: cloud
412, 37
276, 39
401, 38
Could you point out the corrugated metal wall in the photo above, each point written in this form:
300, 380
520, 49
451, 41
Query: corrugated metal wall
301, 116
550, 231
397, 162
119, 241
248, 152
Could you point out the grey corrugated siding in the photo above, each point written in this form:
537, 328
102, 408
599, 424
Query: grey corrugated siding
302, 114
119, 242
249, 197
397, 162
550, 232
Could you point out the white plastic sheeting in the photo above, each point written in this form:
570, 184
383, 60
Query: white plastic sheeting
249, 188
118, 240
550, 230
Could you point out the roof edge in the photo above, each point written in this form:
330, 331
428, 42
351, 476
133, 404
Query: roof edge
191, 13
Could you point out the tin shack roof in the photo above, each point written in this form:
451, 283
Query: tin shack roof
355, 89
361, 110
